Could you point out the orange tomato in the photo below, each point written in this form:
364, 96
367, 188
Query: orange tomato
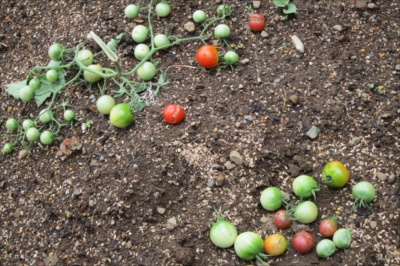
207, 56
173, 114
275, 244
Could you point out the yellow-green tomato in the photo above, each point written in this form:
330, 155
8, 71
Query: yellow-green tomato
121, 115
223, 234
139, 33
131, 11
248, 245
147, 71
92, 77
141, 50
104, 104
271, 199
161, 40
86, 57
47, 137
56, 52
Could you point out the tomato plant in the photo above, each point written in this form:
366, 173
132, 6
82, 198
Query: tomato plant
104, 104
46, 116
32, 134
328, 227
207, 56
86, 57
139, 33
121, 115
199, 16
281, 221
161, 40
92, 77
8, 148
303, 242
326, 248
248, 246
147, 71
275, 244
271, 199
222, 31
12, 124
224, 10
342, 238
131, 11
162, 9
28, 123
173, 114
56, 52
223, 233
257, 22
231, 57
305, 186
335, 174
47, 137
363, 193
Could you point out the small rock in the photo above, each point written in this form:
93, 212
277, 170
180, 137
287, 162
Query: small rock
294, 99
391, 179
219, 181
92, 203
248, 117
372, 224
354, 141
264, 34
256, 4
186, 256
264, 219
397, 67
385, 115
381, 176
274, 40
337, 28
22, 154
371, 5
211, 182
294, 170
190, 27
93, 163
129, 244
316, 7
229, 165
313, 132
160, 210
298, 44
77, 192
245, 61
238, 124
172, 221
236, 158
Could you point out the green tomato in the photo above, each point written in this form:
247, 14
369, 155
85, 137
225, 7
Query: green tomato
161, 40
335, 174
52, 75
325, 248
32, 134
8, 148
47, 137
147, 71
305, 186
222, 31
12, 124
342, 238
69, 115
28, 123
86, 57
46, 116
131, 11
306, 212
139, 33
92, 77
121, 115
162, 9
248, 245
199, 16
141, 51
56, 52
224, 10
104, 104
223, 234
231, 57
34, 83
26, 93
271, 199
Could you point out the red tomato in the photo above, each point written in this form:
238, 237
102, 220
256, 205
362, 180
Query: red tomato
303, 242
173, 114
281, 221
207, 56
328, 227
275, 244
257, 22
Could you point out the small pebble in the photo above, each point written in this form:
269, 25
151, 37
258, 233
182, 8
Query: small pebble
294, 98
236, 157
219, 181
264, 34
298, 44
371, 5
248, 118
381, 176
397, 67
313, 132
190, 27
229, 165
337, 28
256, 4
372, 224
245, 61
274, 40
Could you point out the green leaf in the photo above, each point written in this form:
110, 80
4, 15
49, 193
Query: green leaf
14, 88
291, 8
53, 63
25, 146
113, 42
281, 3
47, 88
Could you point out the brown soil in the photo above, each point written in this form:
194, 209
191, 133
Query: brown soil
115, 201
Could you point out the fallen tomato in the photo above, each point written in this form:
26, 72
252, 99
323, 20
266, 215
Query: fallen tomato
173, 114
207, 56
257, 22
281, 221
121, 116
335, 174
328, 227
275, 244
303, 242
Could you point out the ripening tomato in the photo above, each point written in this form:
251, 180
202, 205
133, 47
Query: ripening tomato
281, 221
328, 227
173, 114
257, 22
303, 242
335, 174
207, 56
275, 244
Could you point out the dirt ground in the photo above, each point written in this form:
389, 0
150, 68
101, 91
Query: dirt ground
144, 194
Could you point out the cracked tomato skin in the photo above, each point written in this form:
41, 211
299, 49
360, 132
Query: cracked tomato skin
257, 22
207, 56
173, 114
